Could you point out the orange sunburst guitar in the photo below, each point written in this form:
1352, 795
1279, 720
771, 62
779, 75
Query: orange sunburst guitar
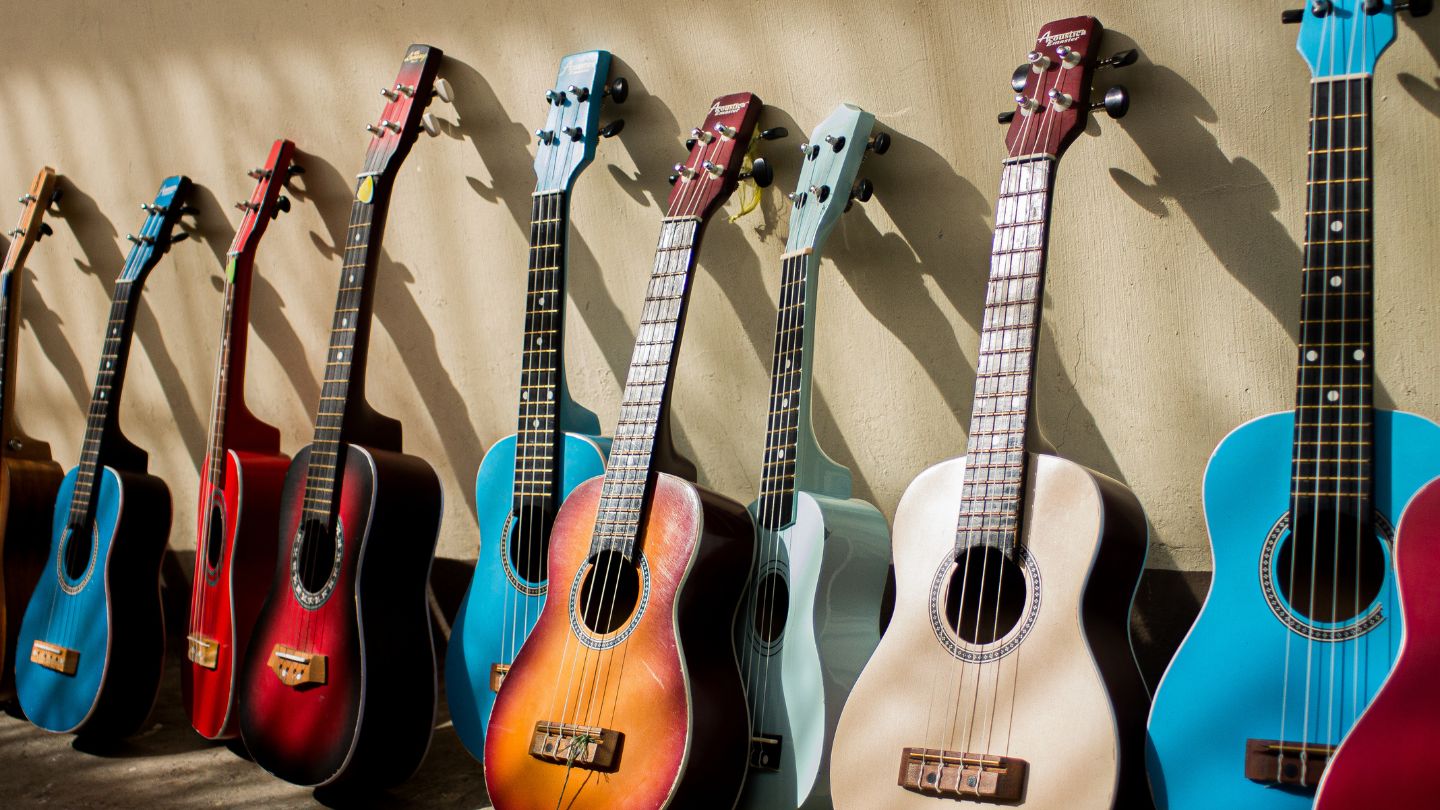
627, 693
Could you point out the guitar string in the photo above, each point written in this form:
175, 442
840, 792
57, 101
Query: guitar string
1365, 492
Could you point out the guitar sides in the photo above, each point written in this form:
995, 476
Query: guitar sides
1074, 704
27, 493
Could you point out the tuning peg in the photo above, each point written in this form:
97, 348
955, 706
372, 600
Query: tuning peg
1290, 16
575, 133
259, 174
860, 193
879, 143
1006, 117
1320, 8
16, 232
681, 170
613, 128
45, 230
151, 208
545, 136
774, 133
1059, 99
56, 195
294, 168
797, 197
389, 94
689, 144
1039, 62
555, 97
618, 90
580, 93
728, 132
131, 237
760, 172
441, 90
1116, 102
188, 210
26, 199
428, 123
393, 126
821, 193
674, 178
1373, 6
715, 169
1417, 8
245, 205
837, 142
1069, 57
372, 129
140, 240
406, 90
1019, 78
282, 205
179, 237
810, 150
1121, 59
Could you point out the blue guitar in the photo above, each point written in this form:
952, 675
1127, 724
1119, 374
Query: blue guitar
1302, 622
92, 642
524, 477
811, 617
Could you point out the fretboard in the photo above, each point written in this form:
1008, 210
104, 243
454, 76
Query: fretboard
782, 428
537, 439
215, 448
9, 279
105, 400
349, 336
994, 486
1333, 403
644, 404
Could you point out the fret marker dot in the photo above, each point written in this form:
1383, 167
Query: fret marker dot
115, 330
102, 394
352, 276
339, 355
787, 364
541, 300
1335, 281
535, 423
1359, 354
1312, 355
1333, 396
780, 453
1337, 226
108, 364
524, 394
549, 394
539, 341
785, 402
344, 321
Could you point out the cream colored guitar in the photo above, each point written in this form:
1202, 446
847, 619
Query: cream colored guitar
1006, 674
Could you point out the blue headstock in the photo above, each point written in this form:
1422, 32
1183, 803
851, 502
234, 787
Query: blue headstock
157, 234
1345, 37
827, 174
572, 128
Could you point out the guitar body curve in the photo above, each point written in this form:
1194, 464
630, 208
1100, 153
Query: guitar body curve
111, 616
501, 606
1072, 712
27, 492
1401, 726
834, 558
227, 596
369, 722
677, 696
1226, 682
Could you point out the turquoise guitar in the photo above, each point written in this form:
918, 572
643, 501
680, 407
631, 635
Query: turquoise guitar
1302, 622
524, 477
811, 617
92, 642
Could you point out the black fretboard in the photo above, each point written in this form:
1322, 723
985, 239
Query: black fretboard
105, 399
782, 427
1334, 416
537, 439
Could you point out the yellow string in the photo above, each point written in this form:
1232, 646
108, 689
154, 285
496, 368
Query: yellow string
748, 162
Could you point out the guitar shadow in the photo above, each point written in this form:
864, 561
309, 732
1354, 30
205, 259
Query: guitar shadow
1425, 91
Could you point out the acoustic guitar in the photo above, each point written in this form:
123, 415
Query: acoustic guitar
811, 617
93, 638
337, 686
627, 693
29, 478
1302, 621
239, 503
1006, 674
525, 476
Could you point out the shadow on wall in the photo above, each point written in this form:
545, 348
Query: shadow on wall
1426, 92
75, 209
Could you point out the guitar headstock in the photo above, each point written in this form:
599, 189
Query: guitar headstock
32, 227
157, 234
266, 202
717, 152
1346, 37
572, 127
1053, 89
827, 186
400, 121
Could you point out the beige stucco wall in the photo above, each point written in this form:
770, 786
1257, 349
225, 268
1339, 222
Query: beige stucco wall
1174, 270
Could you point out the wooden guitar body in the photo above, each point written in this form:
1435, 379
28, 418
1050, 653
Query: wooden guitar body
670, 687
833, 560
366, 718
1386, 759
27, 492
233, 565
109, 616
1226, 682
1064, 695
499, 589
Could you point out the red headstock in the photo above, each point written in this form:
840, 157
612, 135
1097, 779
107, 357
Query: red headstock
265, 202
1054, 103
400, 122
712, 170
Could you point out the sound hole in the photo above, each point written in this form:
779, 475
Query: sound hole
772, 606
529, 546
317, 555
986, 595
77, 552
610, 592
1338, 566
215, 541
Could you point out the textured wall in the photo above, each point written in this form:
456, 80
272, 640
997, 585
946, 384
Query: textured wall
1174, 270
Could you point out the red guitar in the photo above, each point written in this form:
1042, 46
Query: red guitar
338, 682
627, 693
239, 486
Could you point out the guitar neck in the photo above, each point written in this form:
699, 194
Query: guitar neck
538, 435
645, 403
9, 334
789, 411
994, 486
1334, 412
344, 387
101, 425
230, 368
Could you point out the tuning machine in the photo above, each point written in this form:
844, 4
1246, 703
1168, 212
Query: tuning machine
1417, 8
441, 90
618, 89
861, 192
1115, 103
294, 170
1120, 59
55, 197
879, 143
430, 125
26, 199
282, 206
45, 230
760, 172
613, 128
245, 206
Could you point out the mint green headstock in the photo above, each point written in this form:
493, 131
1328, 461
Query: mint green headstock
827, 174
1346, 37
572, 128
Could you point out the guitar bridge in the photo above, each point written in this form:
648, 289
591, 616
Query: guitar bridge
765, 753
1277, 762
202, 651
296, 668
497, 675
960, 775
52, 656
583, 746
